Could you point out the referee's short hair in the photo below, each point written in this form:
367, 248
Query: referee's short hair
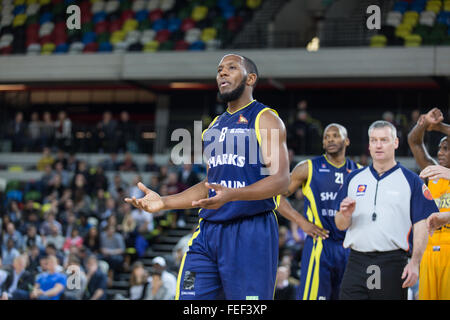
382, 124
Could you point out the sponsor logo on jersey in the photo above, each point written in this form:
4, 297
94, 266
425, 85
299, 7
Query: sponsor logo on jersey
361, 190
426, 192
323, 168
242, 119
324, 196
226, 159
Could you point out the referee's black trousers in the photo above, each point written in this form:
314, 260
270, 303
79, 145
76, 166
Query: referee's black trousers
374, 276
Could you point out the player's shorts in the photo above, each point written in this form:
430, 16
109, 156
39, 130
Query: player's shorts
322, 268
236, 260
434, 275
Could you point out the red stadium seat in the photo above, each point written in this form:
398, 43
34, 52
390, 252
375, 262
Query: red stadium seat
155, 15
162, 36
187, 24
91, 47
181, 45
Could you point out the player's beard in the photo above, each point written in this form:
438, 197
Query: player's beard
234, 94
338, 151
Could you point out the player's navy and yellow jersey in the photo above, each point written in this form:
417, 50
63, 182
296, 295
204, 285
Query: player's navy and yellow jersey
232, 150
320, 190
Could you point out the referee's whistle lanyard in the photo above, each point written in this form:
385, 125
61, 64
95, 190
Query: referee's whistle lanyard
374, 214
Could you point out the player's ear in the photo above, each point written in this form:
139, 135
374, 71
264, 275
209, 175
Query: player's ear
347, 142
251, 79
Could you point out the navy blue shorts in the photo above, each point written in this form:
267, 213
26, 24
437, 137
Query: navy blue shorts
236, 260
322, 269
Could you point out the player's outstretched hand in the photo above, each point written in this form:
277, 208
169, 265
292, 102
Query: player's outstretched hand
151, 202
435, 172
437, 220
223, 195
347, 207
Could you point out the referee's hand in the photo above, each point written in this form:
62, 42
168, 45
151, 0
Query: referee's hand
347, 207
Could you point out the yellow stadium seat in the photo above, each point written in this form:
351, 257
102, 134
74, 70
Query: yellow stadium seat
208, 34
117, 36
15, 169
19, 2
130, 25
19, 20
413, 40
48, 48
411, 14
199, 13
44, 2
378, 41
151, 46
253, 4
30, 2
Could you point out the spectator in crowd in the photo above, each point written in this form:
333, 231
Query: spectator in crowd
181, 247
150, 165
126, 132
284, 290
96, 280
70, 221
33, 259
143, 220
46, 178
76, 285
50, 221
154, 183
116, 187
3, 273
61, 157
13, 212
139, 282
32, 238
106, 132
18, 132
45, 160
34, 133
133, 190
167, 278
299, 133
98, 180
129, 232
51, 250
55, 237
47, 130
188, 177
49, 285
54, 188
59, 170
159, 289
80, 194
73, 240
63, 131
111, 163
92, 241
107, 211
112, 248
72, 162
18, 282
163, 172
12, 233
128, 163
98, 203
9, 253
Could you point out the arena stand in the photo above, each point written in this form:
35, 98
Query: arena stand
157, 59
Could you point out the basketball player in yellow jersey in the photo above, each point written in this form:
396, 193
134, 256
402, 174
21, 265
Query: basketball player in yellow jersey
434, 277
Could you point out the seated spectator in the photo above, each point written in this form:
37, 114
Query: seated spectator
112, 248
114, 188
19, 281
55, 238
50, 250
284, 290
134, 190
159, 288
154, 183
9, 253
33, 258
188, 177
181, 248
32, 238
14, 212
76, 280
139, 282
111, 163
81, 198
96, 280
3, 273
143, 220
128, 164
150, 165
73, 240
168, 279
98, 180
60, 158
45, 160
65, 176
12, 233
49, 285
92, 241
70, 223
107, 210
98, 203
50, 221
54, 187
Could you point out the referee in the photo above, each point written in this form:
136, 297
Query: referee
378, 206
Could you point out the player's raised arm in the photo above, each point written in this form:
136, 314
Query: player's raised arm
416, 135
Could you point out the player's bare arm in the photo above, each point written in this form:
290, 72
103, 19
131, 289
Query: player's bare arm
299, 176
343, 217
276, 158
416, 144
153, 202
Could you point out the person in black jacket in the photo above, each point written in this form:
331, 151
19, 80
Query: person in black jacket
19, 281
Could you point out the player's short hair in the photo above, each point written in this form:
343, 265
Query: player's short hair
249, 65
342, 130
382, 124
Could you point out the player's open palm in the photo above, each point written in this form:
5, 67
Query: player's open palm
347, 207
151, 202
